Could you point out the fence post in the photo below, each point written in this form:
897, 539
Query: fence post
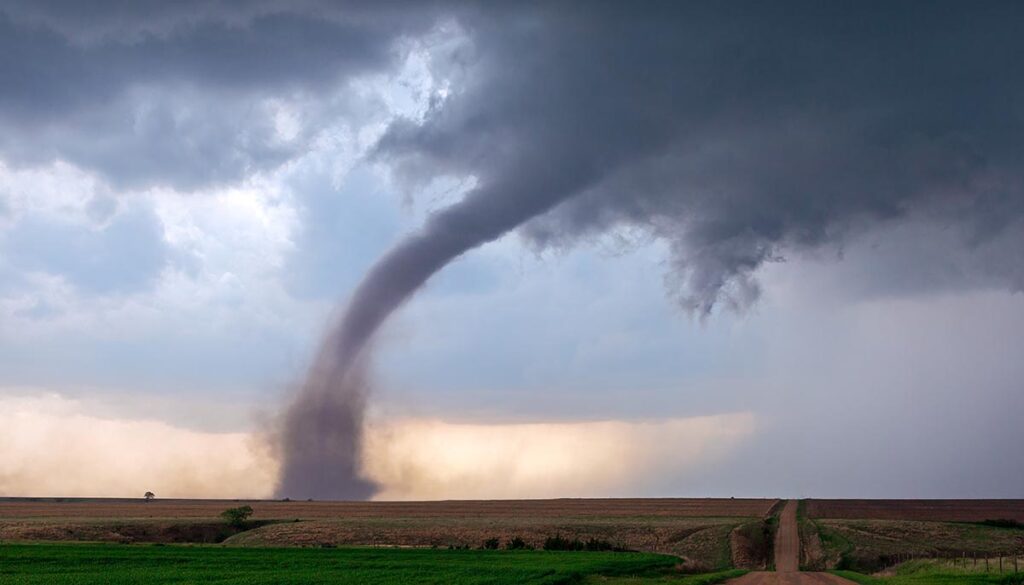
1000, 563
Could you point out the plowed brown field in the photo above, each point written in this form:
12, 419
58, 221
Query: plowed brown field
109, 508
926, 510
695, 529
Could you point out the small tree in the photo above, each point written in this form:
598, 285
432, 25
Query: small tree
237, 516
149, 496
517, 543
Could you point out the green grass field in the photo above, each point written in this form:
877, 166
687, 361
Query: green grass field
87, 564
935, 573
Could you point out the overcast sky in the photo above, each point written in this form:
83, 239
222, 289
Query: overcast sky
781, 245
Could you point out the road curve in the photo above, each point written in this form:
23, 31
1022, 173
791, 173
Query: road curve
787, 558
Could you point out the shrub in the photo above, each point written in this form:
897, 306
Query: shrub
558, 542
517, 543
1003, 523
237, 516
491, 544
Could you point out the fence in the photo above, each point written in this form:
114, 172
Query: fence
969, 562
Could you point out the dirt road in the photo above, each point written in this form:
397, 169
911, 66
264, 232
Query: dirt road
787, 558
790, 579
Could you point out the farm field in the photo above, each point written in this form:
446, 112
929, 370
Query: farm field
923, 510
124, 508
88, 564
411, 541
696, 530
871, 535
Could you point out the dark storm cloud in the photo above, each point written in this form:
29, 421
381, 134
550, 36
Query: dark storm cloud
171, 93
736, 132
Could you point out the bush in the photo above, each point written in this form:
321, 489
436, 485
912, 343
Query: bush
557, 542
237, 516
1003, 523
517, 543
491, 544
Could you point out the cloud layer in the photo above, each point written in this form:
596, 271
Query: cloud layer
736, 134
53, 446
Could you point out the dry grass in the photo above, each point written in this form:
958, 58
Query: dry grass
700, 540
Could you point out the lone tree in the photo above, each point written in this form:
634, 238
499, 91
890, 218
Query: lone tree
237, 516
149, 496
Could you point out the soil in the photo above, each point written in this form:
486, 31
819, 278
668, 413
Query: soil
927, 510
107, 508
787, 558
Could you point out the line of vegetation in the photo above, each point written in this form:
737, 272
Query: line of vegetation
557, 542
1003, 523
553, 543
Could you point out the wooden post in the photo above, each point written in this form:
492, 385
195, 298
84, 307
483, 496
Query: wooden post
986, 563
1000, 563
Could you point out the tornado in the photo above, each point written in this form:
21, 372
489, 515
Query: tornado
321, 436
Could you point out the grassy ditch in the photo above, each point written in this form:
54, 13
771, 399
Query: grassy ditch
870, 546
753, 544
928, 572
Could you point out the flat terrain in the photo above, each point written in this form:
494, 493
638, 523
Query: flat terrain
884, 540
922, 510
99, 564
14, 508
872, 535
696, 530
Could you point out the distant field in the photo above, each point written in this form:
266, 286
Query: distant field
696, 530
870, 535
107, 508
927, 510
96, 564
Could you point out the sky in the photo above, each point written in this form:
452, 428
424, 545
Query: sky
710, 250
